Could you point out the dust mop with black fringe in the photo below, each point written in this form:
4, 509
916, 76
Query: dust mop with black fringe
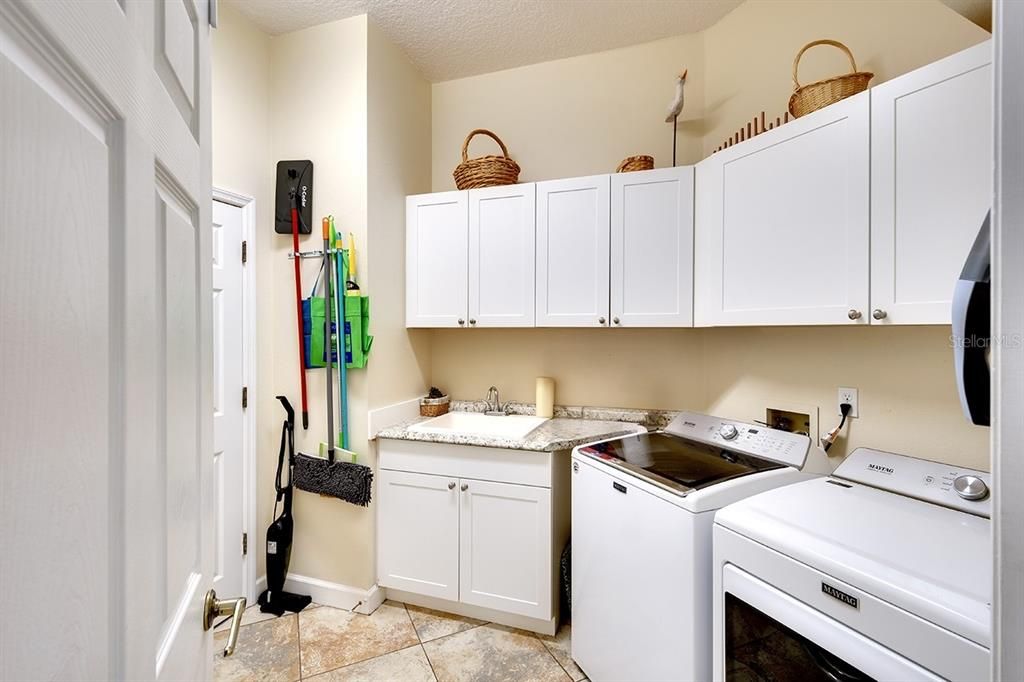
327, 476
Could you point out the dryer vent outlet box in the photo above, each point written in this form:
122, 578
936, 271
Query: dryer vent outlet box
297, 177
787, 420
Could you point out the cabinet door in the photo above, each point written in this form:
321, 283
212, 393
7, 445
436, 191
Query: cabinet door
931, 183
782, 224
436, 252
418, 533
506, 554
652, 248
572, 252
502, 256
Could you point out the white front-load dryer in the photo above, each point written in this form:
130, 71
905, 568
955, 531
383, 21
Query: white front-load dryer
642, 515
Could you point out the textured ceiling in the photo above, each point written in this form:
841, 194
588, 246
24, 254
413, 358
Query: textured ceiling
448, 39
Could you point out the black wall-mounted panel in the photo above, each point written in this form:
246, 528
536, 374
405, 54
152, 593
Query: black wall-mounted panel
294, 178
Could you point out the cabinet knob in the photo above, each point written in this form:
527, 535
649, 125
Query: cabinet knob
472, 321
465, 487
451, 485
615, 320
879, 314
853, 314
462, 321
600, 320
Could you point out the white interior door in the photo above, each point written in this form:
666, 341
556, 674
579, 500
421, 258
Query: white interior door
502, 256
572, 252
105, 330
228, 465
930, 187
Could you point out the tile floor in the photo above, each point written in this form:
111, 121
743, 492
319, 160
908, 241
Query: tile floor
398, 642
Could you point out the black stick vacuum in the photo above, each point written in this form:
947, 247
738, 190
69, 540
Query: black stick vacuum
279, 534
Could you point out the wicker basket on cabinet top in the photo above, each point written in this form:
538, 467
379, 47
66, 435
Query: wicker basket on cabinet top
485, 171
814, 96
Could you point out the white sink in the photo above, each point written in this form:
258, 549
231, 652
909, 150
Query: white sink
510, 426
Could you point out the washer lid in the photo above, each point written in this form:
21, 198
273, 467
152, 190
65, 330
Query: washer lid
678, 464
930, 560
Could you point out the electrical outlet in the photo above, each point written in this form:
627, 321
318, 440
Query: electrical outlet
847, 395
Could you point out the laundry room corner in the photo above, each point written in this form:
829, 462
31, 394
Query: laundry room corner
306, 95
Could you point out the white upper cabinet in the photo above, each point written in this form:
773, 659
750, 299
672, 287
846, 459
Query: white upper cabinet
502, 256
572, 252
782, 224
436, 260
931, 183
652, 248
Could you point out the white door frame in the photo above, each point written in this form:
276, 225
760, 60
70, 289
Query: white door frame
249, 377
1007, 350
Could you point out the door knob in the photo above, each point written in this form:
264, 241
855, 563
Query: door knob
853, 314
472, 321
465, 487
214, 608
600, 320
879, 314
451, 485
615, 320
462, 321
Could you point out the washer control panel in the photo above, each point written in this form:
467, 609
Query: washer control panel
750, 439
950, 486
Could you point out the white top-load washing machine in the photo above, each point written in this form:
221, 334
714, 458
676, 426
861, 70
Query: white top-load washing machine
881, 571
642, 512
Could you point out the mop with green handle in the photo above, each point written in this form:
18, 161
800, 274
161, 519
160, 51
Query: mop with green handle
343, 479
340, 263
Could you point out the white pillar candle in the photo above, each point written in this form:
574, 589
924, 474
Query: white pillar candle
545, 397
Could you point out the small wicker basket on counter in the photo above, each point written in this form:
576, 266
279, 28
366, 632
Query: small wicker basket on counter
814, 96
636, 163
485, 171
434, 407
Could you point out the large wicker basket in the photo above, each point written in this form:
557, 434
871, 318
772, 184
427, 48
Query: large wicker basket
814, 96
631, 164
485, 171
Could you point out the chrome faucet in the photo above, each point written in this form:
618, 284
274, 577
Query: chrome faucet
492, 404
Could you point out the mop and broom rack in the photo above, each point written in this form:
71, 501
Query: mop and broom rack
318, 253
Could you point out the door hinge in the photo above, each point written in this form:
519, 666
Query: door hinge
245, 544
245, 397
245, 251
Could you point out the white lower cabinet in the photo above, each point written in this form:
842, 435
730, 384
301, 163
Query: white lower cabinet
422, 528
474, 531
505, 542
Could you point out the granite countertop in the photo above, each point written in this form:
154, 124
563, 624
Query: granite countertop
559, 433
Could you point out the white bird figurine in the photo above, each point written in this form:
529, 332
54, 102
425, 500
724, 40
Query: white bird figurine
677, 104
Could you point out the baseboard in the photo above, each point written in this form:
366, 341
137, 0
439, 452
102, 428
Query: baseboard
389, 415
327, 593
541, 626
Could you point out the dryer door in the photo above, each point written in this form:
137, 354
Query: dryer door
771, 636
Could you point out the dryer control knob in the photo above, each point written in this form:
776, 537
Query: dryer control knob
728, 431
970, 487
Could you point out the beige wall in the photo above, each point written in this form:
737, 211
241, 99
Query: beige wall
748, 55
242, 163
363, 167
907, 394
399, 164
908, 400
576, 116
318, 112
